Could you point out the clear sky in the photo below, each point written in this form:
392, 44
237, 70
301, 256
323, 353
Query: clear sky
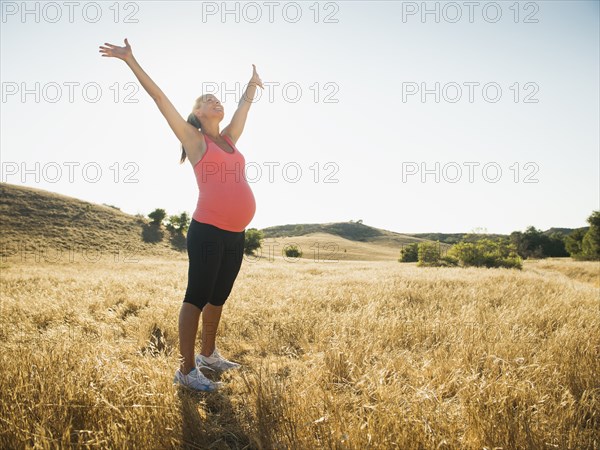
341, 131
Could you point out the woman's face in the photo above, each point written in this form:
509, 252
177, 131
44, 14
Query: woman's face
211, 109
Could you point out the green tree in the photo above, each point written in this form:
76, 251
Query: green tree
486, 253
534, 240
184, 222
517, 240
173, 223
253, 240
157, 216
590, 246
179, 224
533, 243
410, 253
574, 241
555, 246
428, 253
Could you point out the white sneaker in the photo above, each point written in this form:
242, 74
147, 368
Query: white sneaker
215, 362
196, 380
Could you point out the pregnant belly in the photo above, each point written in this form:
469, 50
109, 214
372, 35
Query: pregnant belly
227, 206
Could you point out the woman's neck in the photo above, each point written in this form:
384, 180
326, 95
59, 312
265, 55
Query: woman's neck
211, 132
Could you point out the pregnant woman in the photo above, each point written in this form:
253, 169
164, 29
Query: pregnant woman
226, 205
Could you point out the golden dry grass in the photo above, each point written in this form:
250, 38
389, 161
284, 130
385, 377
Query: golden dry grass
569, 268
344, 355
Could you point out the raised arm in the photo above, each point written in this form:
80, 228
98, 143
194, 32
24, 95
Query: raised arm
235, 128
189, 136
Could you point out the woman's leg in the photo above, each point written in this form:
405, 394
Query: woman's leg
211, 315
189, 316
204, 248
229, 268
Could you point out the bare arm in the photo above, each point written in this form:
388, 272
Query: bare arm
150, 86
235, 128
187, 134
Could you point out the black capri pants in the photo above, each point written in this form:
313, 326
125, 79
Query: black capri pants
215, 257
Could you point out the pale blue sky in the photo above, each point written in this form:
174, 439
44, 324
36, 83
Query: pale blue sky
368, 57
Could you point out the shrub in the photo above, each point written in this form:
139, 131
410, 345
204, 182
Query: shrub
293, 251
178, 224
486, 253
252, 241
410, 253
428, 253
448, 261
157, 216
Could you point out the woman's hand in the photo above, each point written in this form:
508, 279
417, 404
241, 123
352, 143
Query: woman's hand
123, 53
255, 78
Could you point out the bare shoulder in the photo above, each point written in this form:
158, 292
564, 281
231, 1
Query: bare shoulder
227, 132
195, 147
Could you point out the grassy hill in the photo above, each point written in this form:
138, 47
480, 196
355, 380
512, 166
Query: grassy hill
337, 241
37, 221
353, 231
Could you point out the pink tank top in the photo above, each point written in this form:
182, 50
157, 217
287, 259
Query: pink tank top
225, 199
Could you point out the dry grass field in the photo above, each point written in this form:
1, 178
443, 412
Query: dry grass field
336, 355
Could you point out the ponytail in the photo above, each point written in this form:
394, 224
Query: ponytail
193, 120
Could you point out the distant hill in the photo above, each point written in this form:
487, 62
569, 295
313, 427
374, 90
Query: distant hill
39, 221
352, 231
338, 241
564, 231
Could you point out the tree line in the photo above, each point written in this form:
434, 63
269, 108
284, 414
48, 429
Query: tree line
481, 251
472, 250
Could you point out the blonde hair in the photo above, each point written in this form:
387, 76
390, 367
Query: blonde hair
193, 120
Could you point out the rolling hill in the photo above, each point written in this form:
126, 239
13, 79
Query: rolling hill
34, 221
37, 221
